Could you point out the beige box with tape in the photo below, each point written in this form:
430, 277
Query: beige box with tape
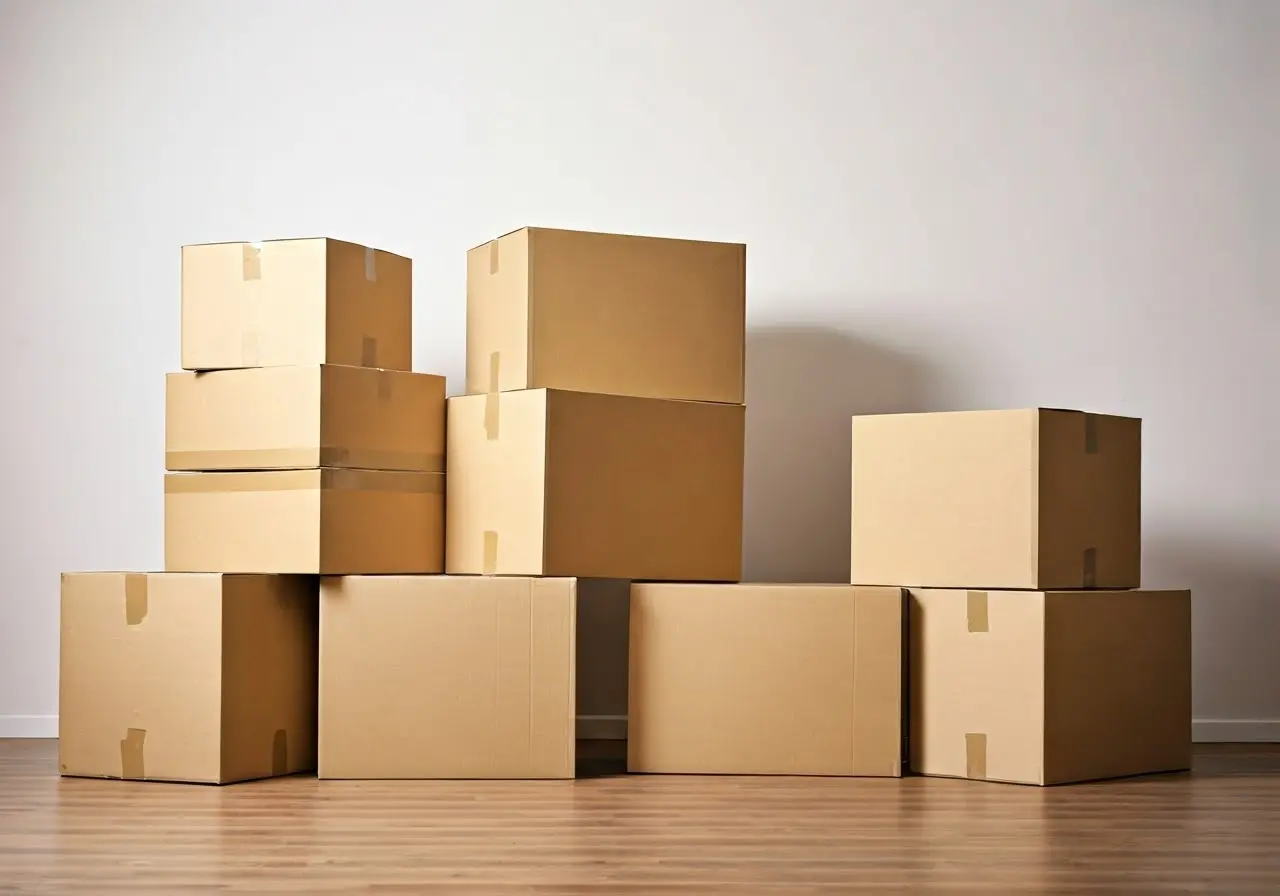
1032, 498
601, 312
305, 301
1049, 687
200, 678
555, 483
306, 416
765, 680
461, 676
330, 521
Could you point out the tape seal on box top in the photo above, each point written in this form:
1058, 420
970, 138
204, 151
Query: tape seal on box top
1090, 433
385, 382
1089, 568
251, 261
135, 598
489, 561
368, 352
978, 616
132, 755
371, 265
491, 398
975, 756
493, 256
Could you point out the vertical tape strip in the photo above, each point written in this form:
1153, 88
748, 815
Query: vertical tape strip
368, 352
975, 756
132, 757
1089, 568
491, 398
135, 598
280, 752
493, 256
385, 378
489, 562
251, 261
977, 610
1090, 433
371, 265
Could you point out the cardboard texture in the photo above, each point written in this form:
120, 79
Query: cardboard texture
598, 312
1049, 687
308, 301
198, 678
298, 417
765, 679
1039, 499
446, 677
328, 521
545, 482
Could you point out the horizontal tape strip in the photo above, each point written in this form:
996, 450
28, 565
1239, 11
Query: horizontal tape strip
253, 459
298, 480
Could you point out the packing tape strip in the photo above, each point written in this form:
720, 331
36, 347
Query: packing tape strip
489, 560
251, 261
402, 482
493, 256
135, 598
385, 381
975, 756
1089, 568
1090, 433
491, 398
280, 752
249, 460
132, 755
371, 265
368, 352
979, 619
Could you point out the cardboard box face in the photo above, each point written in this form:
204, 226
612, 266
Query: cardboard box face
304, 521
1049, 687
283, 418
544, 482
447, 677
283, 302
201, 678
765, 679
997, 499
597, 312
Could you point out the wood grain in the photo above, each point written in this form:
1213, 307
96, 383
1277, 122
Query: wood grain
1216, 830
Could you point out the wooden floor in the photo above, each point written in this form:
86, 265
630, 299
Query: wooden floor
1216, 830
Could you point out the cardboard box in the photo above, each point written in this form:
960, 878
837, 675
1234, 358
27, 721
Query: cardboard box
997, 499
1049, 687
765, 680
304, 521
600, 312
309, 301
200, 678
552, 483
280, 418
448, 677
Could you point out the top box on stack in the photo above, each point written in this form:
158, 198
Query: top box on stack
598, 312
295, 302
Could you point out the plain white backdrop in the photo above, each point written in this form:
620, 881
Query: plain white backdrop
989, 203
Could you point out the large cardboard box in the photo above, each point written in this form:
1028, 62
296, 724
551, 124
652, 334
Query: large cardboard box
553, 483
765, 679
201, 678
450, 676
997, 499
308, 301
324, 520
283, 418
1049, 687
600, 312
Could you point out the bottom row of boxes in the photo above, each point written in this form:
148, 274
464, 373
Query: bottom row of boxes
221, 678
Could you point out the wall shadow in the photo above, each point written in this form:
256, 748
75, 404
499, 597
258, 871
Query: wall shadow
804, 383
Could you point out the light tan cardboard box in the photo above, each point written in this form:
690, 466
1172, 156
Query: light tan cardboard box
307, 301
325, 520
327, 415
1049, 687
553, 483
458, 676
765, 679
200, 678
997, 499
600, 312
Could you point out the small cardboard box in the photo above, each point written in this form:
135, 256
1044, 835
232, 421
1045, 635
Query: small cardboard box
330, 521
1040, 499
600, 312
453, 676
200, 678
765, 680
307, 301
550, 483
280, 418
1049, 687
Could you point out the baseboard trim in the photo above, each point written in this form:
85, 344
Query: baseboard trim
28, 726
1236, 731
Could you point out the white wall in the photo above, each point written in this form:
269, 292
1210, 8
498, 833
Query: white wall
948, 205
